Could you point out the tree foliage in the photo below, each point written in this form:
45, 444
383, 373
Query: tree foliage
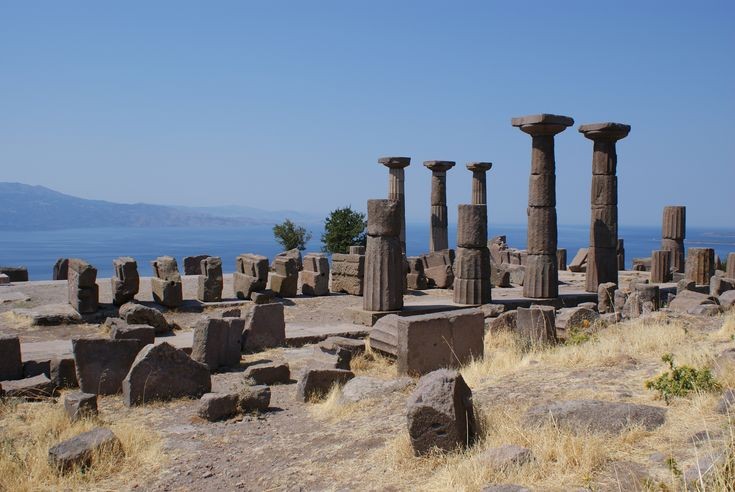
290, 235
343, 228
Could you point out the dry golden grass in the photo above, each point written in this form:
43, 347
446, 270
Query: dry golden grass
28, 430
372, 363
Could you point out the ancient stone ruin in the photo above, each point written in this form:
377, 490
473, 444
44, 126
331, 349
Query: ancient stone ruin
416, 277
700, 265
542, 276
479, 181
314, 278
472, 264
438, 268
84, 292
210, 282
602, 257
384, 272
661, 266
673, 233
284, 280
348, 271
166, 283
126, 282
396, 190
439, 236
251, 275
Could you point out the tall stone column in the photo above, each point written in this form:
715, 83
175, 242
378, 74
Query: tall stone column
384, 272
479, 182
602, 258
439, 238
396, 180
472, 264
673, 233
542, 275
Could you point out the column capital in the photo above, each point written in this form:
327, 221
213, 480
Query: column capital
542, 124
479, 166
605, 131
439, 166
395, 162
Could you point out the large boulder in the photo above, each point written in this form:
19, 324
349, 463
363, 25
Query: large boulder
596, 415
440, 413
102, 364
217, 342
138, 314
265, 327
163, 372
78, 451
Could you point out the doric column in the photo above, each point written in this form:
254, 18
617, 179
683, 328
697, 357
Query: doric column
396, 179
602, 258
542, 276
439, 238
472, 264
479, 183
700, 265
673, 233
384, 272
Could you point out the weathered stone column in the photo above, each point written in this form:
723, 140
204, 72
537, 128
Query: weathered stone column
660, 266
439, 237
673, 233
542, 277
730, 268
396, 180
602, 258
472, 265
383, 257
700, 265
479, 181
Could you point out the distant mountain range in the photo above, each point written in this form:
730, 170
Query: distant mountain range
26, 207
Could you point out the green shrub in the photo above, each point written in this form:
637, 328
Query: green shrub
682, 380
291, 236
343, 228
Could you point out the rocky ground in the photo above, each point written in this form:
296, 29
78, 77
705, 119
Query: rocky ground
345, 445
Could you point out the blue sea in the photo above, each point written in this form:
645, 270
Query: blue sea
38, 250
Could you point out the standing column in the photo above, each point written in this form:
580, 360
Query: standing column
673, 232
542, 277
439, 238
383, 258
479, 182
472, 265
396, 179
602, 258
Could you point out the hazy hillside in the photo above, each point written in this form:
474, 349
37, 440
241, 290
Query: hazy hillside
25, 207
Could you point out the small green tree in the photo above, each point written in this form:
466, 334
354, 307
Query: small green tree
291, 236
343, 228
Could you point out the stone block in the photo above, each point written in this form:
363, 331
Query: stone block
102, 364
700, 265
33, 388
687, 299
61, 269
441, 413
384, 218
575, 318
541, 279
126, 282
78, 405
542, 235
384, 274
428, 342
268, 373
561, 259
661, 266
77, 452
602, 267
145, 334
62, 372
357, 250
210, 282
265, 327
193, 264
253, 266
138, 314
11, 365
167, 293
674, 223
217, 342
314, 283
720, 285
315, 383
15, 274
504, 322
536, 325
284, 286
294, 254
606, 297
542, 190
472, 263
254, 398
604, 190
472, 292
604, 230
166, 268
163, 372
579, 262
218, 406
245, 285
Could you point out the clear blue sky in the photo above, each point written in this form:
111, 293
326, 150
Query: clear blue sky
288, 105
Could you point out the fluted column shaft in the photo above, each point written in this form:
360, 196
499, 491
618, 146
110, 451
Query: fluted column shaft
479, 181
439, 236
396, 179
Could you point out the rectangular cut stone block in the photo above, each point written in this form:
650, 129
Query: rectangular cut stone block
252, 265
346, 284
210, 282
316, 262
428, 342
244, 285
438, 258
561, 259
536, 325
579, 262
84, 300
700, 265
82, 286
678, 260
15, 274
604, 231
541, 280
168, 293
314, 283
11, 366
126, 282
166, 268
542, 237
284, 286
472, 226
216, 342
542, 190
674, 223
193, 264
604, 190
660, 266
384, 274
350, 269
602, 267
102, 364
285, 266
84, 274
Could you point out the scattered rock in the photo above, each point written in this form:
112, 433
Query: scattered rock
268, 373
80, 405
11, 365
575, 318
63, 373
316, 382
727, 299
254, 398
596, 415
218, 406
440, 413
216, 342
265, 327
78, 451
699, 474
138, 314
102, 364
504, 322
35, 388
505, 456
705, 310
121, 330
687, 299
163, 372
366, 387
